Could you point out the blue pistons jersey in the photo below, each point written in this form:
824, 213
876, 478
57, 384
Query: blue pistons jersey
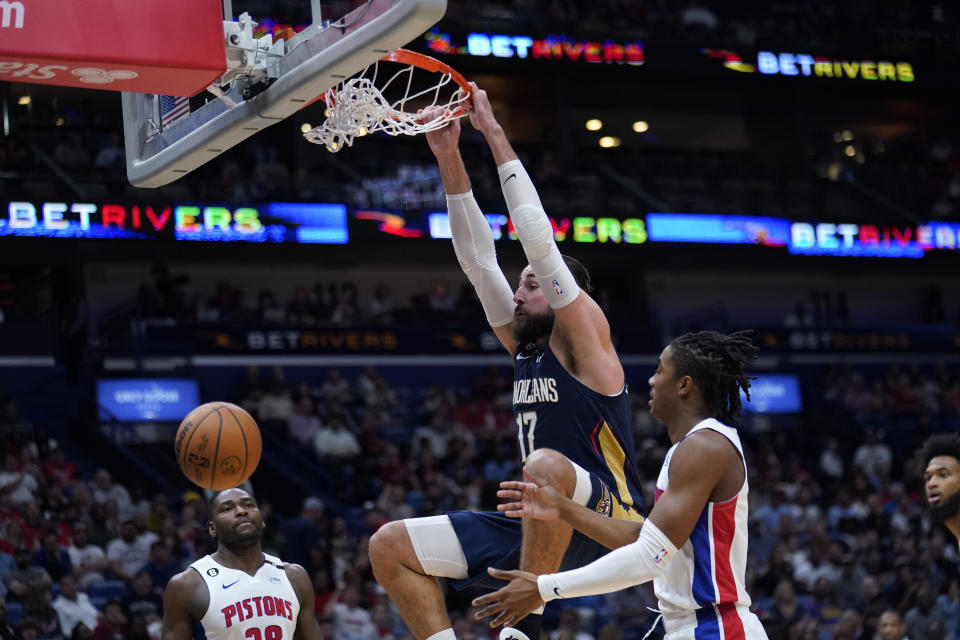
555, 410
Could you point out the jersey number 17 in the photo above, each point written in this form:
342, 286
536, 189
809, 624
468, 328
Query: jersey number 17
526, 420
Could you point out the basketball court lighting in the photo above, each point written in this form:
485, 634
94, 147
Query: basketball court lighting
594, 124
23, 101
847, 135
305, 127
609, 142
850, 151
641, 126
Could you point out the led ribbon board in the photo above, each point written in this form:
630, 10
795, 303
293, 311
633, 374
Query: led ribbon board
304, 223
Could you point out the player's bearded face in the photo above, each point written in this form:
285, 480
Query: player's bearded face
946, 508
239, 534
530, 327
943, 488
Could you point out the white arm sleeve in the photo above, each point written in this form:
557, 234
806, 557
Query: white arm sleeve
473, 244
636, 563
536, 235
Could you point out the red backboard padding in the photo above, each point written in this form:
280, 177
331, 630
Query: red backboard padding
173, 47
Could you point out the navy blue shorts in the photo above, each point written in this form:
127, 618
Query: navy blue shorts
491, 539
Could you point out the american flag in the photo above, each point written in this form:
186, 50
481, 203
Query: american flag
172, 108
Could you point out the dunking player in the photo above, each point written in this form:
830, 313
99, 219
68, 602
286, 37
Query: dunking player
239, 592
694, 543
570, 402
940, 456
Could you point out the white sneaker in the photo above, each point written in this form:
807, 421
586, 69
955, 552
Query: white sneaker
509, 633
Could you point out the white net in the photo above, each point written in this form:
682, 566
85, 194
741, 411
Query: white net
357, 106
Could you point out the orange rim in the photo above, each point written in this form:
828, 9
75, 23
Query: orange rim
425, 62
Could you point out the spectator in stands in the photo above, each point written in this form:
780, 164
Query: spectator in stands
73, 607
570, 627
831, 463
440, 299
56, 505
160, 567
382, 305
346, 309
304, 425
918, 617
300, 310
129, 552
29, 585
276, 404
102, 528
350, 620
52, 557
88, 560
58, 469
874, 458
113, 624
947, 608
17, 482
849, 627
304, 536
784, 613
824, 608
268, 309
335, 389
143, 601
32, 525
335, 441
105, 489
158, 514
250, 390
28, 629
891, 626
322, 592
111, 157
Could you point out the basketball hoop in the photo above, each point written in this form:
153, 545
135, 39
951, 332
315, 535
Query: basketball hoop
359, 105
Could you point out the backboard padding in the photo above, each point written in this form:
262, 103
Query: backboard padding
312, 67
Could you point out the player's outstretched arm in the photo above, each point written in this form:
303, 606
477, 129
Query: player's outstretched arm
533, 499
185, 600
472, 237
581, 335
697, 468
307, 627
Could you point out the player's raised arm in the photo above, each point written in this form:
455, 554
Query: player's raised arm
581, 335
307, 627
472, 237
185, 600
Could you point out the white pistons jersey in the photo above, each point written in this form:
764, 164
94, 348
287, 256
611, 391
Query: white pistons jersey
701, 591
259, 607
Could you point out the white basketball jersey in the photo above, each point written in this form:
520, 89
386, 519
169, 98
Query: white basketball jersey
244, 607
701, 591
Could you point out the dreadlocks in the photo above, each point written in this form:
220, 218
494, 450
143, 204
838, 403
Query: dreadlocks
716, 363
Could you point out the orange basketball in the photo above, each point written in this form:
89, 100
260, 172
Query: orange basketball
218, 445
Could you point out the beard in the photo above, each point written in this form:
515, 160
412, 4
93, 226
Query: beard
946, 508
532, 327
238, 541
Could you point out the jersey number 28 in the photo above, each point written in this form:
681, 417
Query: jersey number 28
526, 420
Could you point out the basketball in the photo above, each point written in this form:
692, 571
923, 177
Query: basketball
218, 445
